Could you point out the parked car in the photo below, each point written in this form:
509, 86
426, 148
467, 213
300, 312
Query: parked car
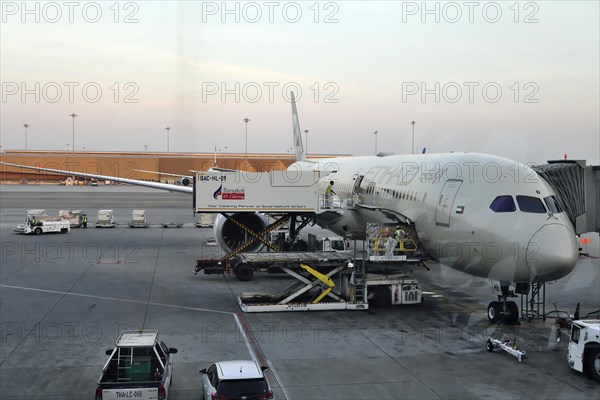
235, 380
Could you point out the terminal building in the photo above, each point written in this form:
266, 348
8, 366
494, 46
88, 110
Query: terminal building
151, 166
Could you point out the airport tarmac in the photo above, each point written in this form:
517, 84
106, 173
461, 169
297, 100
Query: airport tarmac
64, 298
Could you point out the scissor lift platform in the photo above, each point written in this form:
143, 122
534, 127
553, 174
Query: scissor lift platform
244, 265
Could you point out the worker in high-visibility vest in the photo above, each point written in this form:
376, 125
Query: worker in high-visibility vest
329, 194
84, 221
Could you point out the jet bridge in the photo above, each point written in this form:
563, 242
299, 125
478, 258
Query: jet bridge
578, 190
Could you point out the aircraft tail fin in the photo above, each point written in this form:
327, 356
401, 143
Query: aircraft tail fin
299, 153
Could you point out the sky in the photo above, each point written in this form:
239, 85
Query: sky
514, 79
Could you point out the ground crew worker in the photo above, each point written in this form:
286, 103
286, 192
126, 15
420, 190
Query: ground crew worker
84, 221
400, 234
33, 221
329, 194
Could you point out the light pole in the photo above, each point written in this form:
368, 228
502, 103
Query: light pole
73, 142
168, 130
26, 126
246, 120
413, 137
375, 133
306, 140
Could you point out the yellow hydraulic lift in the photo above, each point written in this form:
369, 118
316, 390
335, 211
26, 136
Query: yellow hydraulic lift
323, 278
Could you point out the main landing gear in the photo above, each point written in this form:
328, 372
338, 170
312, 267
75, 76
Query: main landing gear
503, 310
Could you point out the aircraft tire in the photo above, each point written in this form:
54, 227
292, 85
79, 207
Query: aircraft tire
489, 346
244, 272
594, 363
493, 311
513, 312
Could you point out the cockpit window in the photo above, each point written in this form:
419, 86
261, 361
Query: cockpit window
531, 204
503, 204
553, 204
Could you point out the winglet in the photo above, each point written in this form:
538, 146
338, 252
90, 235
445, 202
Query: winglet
298, 146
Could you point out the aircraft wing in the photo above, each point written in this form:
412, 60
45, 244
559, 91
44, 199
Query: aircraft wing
155, 185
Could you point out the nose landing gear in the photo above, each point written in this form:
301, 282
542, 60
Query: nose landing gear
503, 310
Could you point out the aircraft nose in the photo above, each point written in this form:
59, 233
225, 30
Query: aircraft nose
551, 252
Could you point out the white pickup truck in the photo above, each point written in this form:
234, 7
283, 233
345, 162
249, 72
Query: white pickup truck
43, 227
139, 367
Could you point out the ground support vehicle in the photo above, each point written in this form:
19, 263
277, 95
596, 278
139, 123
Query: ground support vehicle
316, 290
172, 224
138, 219
74, 217
244, 265
507, 346
105, 219
43, 227
584, 347
205, 220
139, 367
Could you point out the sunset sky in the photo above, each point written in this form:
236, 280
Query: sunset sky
519, 80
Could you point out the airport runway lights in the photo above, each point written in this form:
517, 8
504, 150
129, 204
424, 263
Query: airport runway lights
25, 126
413, 137
168, 139
73, 141
246, 120
375, 133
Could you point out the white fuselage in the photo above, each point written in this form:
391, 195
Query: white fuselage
448, 197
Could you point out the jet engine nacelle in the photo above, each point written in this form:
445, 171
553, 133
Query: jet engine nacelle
185, 182
229, 235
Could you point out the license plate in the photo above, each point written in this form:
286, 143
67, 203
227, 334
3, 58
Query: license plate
118, 394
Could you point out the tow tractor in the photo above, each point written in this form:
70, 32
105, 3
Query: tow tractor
507, 346
44, 227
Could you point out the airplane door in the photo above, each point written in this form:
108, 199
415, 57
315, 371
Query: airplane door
445, 203
357, 182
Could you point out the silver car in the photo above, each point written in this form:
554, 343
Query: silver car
235, 380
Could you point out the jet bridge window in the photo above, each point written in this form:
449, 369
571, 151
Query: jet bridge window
531, 204
552, 204
503, 204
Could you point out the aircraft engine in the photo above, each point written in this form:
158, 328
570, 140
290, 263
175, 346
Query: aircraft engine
185, 181
229, 235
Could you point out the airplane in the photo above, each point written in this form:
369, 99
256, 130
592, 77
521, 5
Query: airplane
481, 214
